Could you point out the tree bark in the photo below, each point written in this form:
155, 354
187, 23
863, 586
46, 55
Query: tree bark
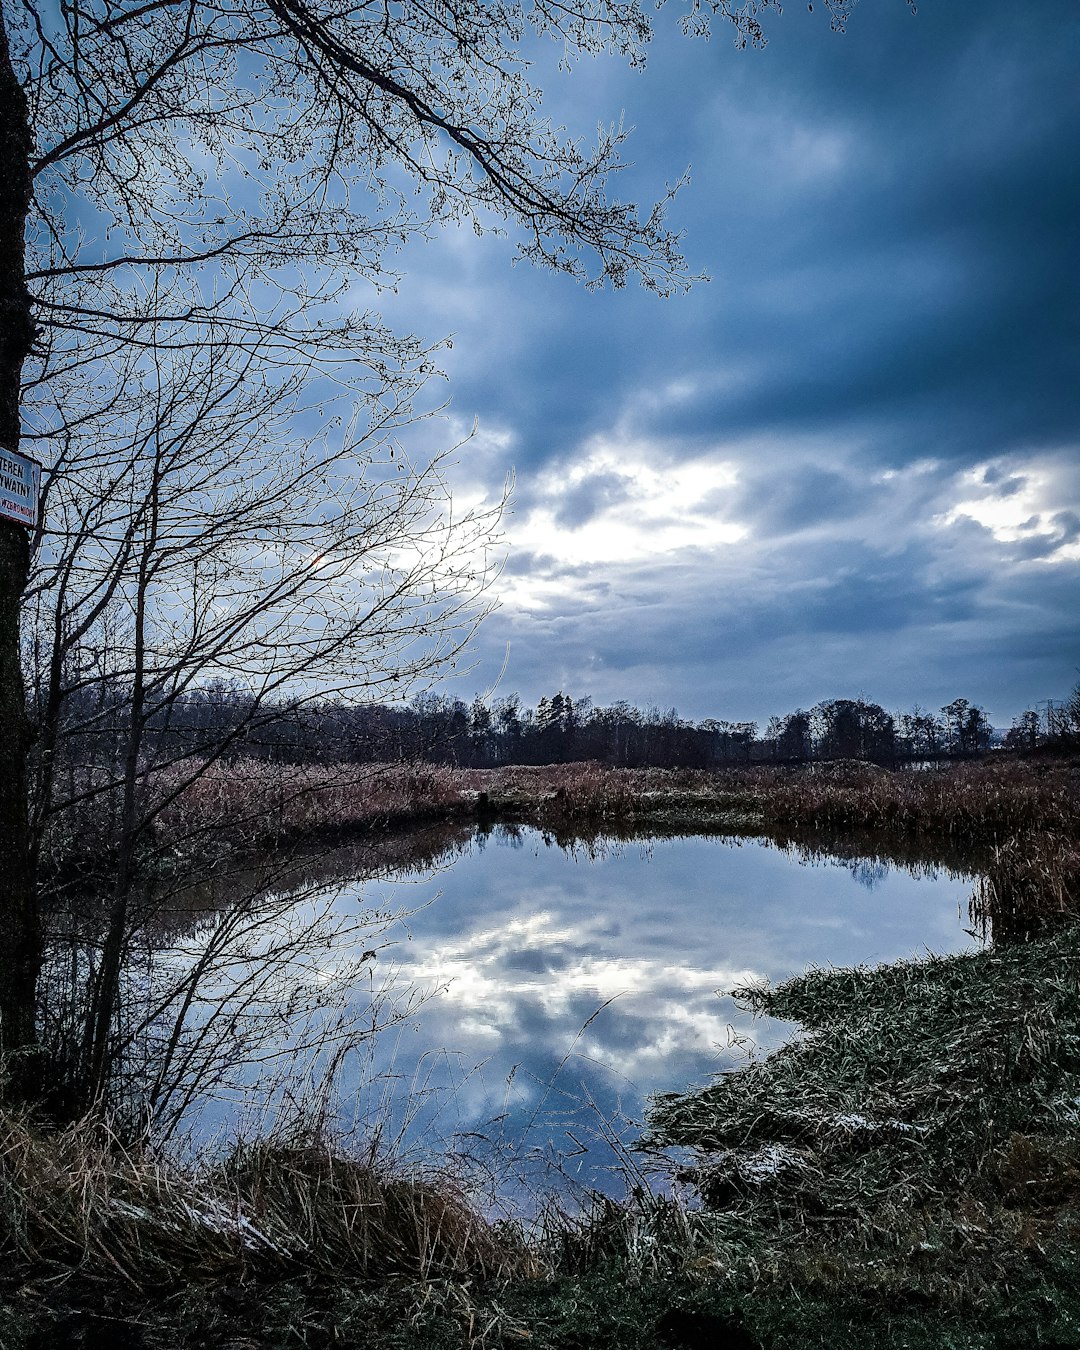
20, 923
107, 990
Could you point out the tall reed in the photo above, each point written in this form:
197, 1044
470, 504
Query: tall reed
77, 1200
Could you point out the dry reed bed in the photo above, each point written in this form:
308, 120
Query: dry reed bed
582, 791
1032, 884
76, 1201
252, 801
986, 799
989, 799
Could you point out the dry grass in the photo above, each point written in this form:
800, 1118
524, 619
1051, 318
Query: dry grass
922, 1136
252, 801
347, 1214
76, 1201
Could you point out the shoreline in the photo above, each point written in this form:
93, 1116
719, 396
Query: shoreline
905, 1174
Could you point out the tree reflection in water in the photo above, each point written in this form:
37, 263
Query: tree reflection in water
524, 997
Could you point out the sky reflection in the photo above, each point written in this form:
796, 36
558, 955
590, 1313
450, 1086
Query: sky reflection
567, 987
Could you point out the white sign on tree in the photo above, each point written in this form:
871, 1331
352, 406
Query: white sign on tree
20, 487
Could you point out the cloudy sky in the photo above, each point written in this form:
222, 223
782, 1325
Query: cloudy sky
850, 462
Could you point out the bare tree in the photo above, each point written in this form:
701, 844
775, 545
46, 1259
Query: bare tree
20, 927
173, 171
966, 727
207, 535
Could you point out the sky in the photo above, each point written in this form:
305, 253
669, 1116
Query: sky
849, 463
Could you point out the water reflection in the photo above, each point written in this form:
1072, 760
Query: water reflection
569, 983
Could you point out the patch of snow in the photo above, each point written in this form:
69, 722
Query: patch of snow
767, 1161
852, 1120
129, 1211
222, 1220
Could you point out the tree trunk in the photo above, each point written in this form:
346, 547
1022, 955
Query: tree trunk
20, 925
107, 989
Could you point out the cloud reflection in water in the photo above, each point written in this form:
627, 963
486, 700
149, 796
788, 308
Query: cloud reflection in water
576, 977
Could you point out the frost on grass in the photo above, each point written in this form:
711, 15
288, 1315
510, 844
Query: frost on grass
916, 1088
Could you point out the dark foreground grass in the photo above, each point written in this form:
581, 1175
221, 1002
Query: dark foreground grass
289, 1241
906, 1174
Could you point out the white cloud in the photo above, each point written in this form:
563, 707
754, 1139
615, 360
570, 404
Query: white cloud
621, 500
487, 991
1018, 501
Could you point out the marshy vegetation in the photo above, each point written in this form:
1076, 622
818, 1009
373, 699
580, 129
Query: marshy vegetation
249, 804
906, 1173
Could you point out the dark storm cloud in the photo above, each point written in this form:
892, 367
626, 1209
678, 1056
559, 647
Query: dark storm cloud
522, 562
589, 496
890, 220
1003, 483
1063, 529
797, 498
927, 279
932, 287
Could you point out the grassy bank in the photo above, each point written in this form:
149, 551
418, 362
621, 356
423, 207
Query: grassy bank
907, 1174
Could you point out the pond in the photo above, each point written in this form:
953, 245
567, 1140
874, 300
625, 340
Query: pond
566, 985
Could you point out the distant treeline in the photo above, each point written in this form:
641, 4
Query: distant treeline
562, 729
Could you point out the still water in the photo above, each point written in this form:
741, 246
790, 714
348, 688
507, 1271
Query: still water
564, 987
